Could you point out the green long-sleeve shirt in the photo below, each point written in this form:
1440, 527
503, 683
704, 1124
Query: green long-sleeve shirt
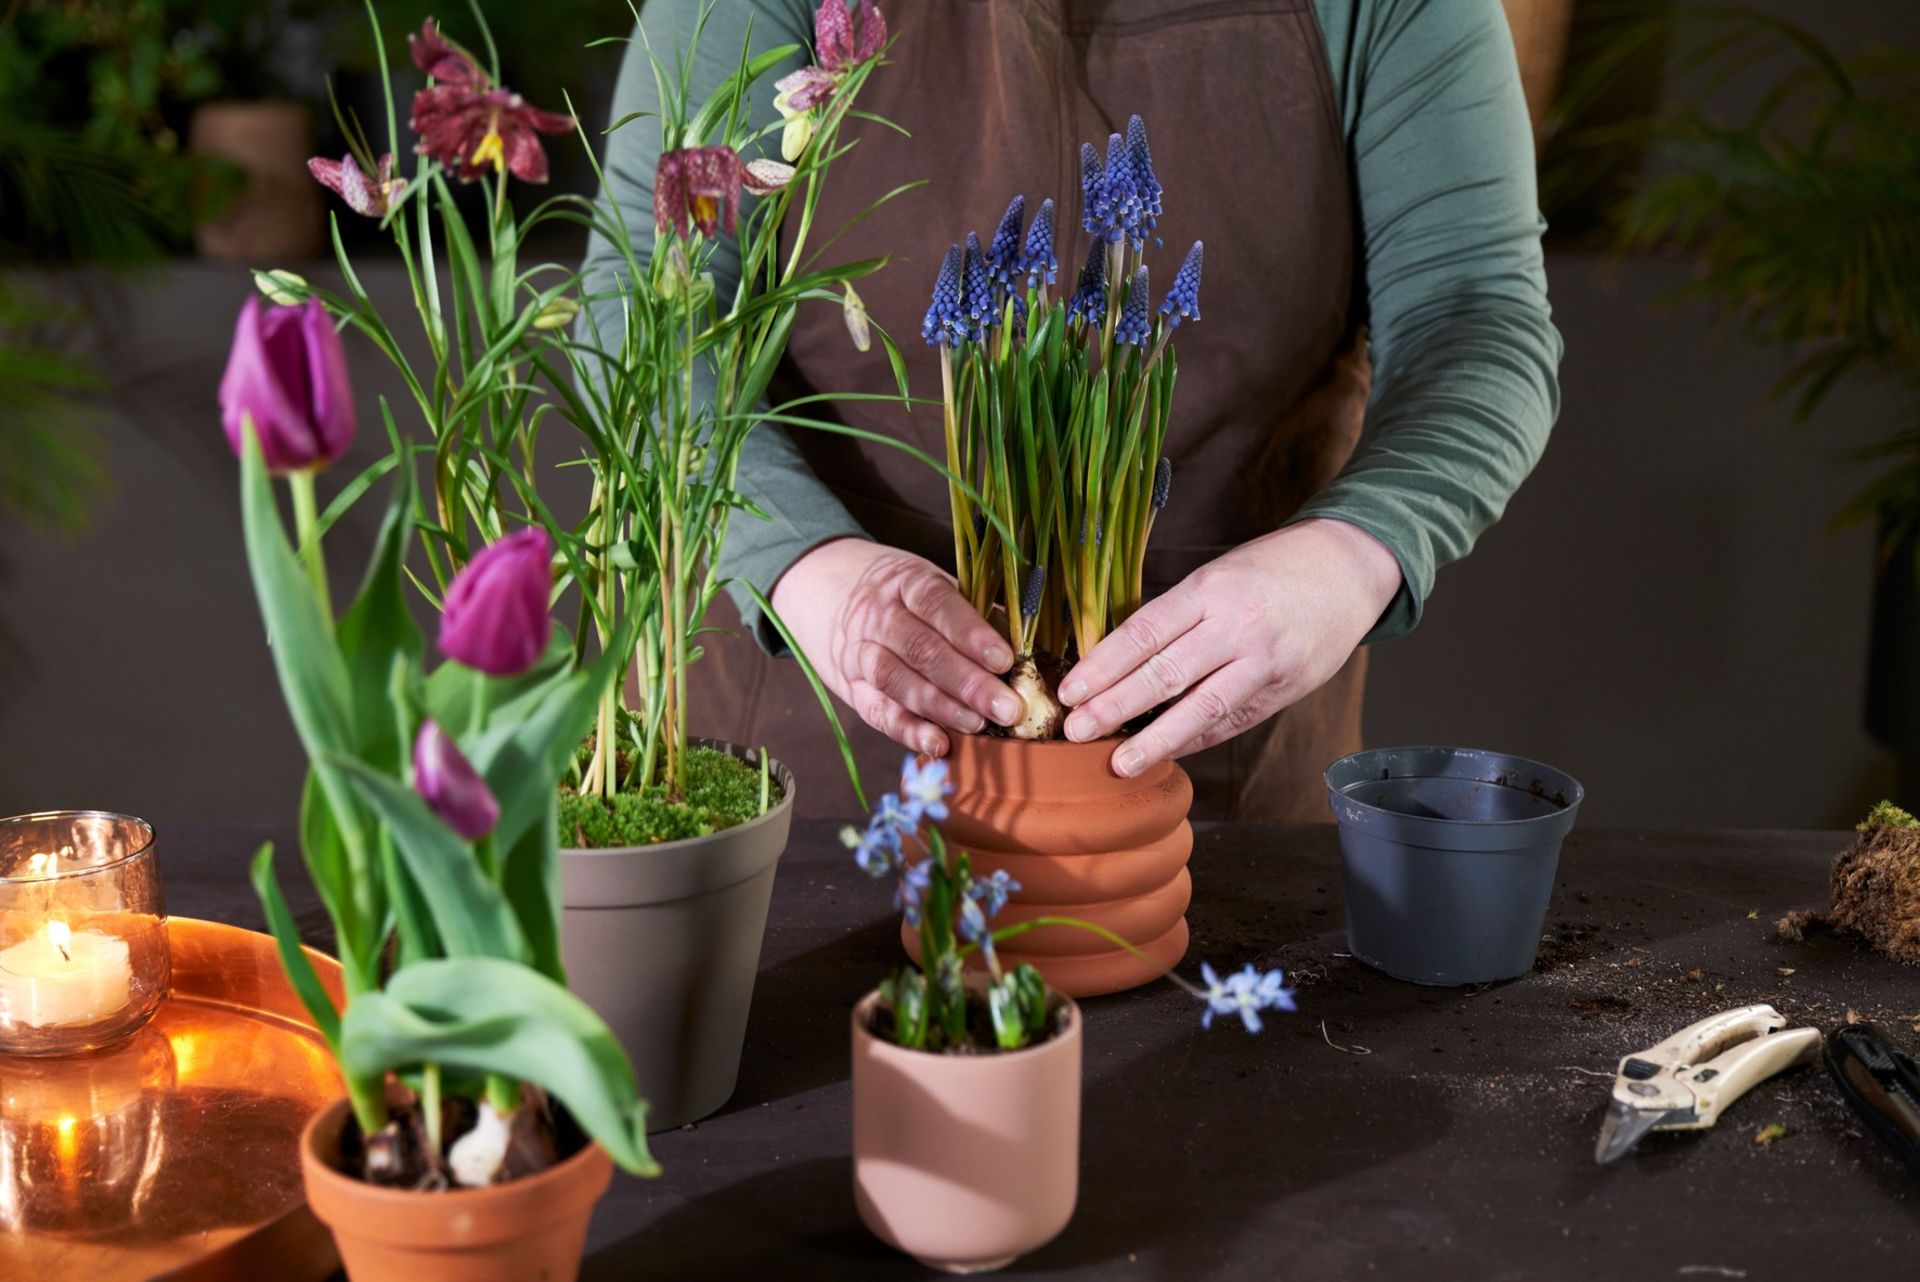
1463, 347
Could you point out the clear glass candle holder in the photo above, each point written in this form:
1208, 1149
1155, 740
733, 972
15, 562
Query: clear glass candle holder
83, 931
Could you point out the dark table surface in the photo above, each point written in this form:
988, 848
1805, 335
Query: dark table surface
1386, 1130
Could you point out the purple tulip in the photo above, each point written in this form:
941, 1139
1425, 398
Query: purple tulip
287, 373
495, 617
444, 777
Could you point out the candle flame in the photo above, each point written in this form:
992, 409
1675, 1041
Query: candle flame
59, 934
40, 865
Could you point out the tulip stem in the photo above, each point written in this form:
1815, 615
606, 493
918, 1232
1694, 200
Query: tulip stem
306, 524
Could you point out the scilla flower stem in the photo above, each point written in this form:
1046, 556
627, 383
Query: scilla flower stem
306, 523
1009, 932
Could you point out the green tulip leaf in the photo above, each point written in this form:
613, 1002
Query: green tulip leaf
375, 631
489, 1015
293, 956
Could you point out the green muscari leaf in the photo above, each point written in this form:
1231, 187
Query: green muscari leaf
490, 1015
471, 915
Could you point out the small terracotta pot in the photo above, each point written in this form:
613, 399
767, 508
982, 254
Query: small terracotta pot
521, 1231
965, 1162
280, 217
1082, 842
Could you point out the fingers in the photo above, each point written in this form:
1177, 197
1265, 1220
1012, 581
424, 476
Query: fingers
930, 650
892, 675
933, 598
1161, 676
891, 718
1222, 700
1264, 704
1151, 629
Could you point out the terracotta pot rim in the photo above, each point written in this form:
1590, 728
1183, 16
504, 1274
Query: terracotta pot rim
1075, 1021
981, 736
323, 1165
783, 775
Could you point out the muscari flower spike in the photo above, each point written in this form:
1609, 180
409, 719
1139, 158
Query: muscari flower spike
946, 322
1089, 300
978, 306
1146, 187
1162, 482
1115, 211
1030, 593
1134, 326
1091, 172
1183, 300
1003, 251
1037, 259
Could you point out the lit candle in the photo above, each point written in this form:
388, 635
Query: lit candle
60, 976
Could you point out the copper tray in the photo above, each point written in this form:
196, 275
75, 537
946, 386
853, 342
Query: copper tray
175, 1155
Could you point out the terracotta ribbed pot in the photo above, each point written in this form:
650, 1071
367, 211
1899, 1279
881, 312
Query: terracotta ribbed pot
965, 1162
1082, 842
530, 1230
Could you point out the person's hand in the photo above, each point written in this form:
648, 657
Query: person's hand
890, 634
1238, 640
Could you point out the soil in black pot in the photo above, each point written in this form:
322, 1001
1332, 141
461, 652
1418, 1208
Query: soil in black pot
1875, 883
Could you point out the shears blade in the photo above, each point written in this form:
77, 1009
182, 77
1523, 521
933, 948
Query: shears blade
1623, 1128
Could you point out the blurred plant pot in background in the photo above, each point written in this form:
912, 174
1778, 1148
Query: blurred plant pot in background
278, 218
1082, 842
1893, 662
965, 1162
664, 942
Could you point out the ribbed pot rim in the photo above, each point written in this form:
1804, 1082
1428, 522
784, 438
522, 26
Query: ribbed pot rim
782, 775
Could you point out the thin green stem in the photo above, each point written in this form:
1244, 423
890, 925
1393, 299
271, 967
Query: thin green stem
306, 523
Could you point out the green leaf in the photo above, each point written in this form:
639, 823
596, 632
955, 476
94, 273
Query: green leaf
489, 1015
293, 957
376, 631
471, 915
721, 102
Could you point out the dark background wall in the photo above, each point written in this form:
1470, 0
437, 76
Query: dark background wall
1661, 613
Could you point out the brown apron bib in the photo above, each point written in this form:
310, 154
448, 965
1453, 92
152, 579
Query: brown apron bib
998, 95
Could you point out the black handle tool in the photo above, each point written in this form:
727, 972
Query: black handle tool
1881, 1082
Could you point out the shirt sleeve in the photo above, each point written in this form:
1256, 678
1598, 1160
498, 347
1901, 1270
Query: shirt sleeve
801, 512
1465, 355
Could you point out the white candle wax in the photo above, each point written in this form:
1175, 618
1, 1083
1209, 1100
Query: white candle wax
57, 975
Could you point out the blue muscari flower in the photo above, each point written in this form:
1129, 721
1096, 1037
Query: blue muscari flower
979, 290
1183, 300
1003, 251
1116, 205
1037, 259
1091, 174
1030, 592
1134, 327
1090, 296
946, 323
1162, 482
994, 891
1146, 187
911, 889
1244, 993
926, 789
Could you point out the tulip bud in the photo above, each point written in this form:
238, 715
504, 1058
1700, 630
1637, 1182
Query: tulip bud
448, 783
495, 617
287, 375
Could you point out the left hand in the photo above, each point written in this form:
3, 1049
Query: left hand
1236, 641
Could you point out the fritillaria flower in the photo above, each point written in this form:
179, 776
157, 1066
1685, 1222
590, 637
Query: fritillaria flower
287, 376
471, 125
698, 188
369, 195
854, 309
450, 785
842, 41
495, 616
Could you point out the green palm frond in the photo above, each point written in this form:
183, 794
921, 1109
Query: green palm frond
50, 474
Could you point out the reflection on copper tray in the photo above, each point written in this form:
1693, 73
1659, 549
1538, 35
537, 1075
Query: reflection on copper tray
176, 1153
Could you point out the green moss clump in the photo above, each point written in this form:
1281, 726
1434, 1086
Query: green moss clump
722, 791
1887, 815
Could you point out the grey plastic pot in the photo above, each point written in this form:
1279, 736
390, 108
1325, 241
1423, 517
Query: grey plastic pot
1448, 857
664, 942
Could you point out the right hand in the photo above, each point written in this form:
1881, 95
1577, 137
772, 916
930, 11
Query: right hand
890, 634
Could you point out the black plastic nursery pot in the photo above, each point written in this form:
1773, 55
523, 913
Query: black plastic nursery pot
1448, 858
664, 942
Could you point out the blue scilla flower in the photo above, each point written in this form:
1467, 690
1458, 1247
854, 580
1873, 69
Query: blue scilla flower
926, 788
1244, 993
890, 813
973, 927
1003, 251
877, 850
1146, 187
1183, 300
1089, 300
910, 891
1134, 327
978, 289
946, 323
1037, 259
993, 892
1092, 173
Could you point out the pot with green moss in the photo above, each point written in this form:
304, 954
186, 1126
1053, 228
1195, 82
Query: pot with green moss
665, 902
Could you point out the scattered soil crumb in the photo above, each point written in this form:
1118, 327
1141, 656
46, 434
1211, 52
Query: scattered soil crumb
1875, 883
1794, 927
1785, 971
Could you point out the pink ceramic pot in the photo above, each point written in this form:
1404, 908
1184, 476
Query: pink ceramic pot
1082, 842
965, 1162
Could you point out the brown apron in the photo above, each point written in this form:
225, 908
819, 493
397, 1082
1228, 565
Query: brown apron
998, 95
